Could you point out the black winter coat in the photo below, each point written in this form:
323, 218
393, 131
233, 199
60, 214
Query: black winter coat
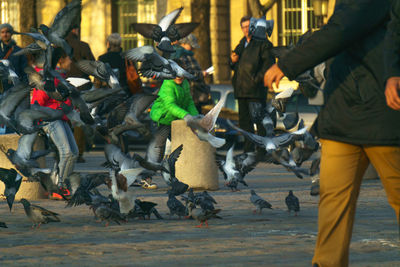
355, 111
254, 61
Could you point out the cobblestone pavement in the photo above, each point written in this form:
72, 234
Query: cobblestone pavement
273, 238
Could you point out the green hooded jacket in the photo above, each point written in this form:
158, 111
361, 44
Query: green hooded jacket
174, 102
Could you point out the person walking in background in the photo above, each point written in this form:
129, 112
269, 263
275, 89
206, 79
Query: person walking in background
355, 126
114, 57
81, 50
249, 61
8, 47
184, 54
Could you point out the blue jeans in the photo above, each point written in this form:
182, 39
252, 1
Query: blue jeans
61, 135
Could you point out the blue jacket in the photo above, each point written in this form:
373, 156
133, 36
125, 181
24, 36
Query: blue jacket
17, 62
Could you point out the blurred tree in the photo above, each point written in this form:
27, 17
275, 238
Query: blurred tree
258, 10
28, 20
201, 13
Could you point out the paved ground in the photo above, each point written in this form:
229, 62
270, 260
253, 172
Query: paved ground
273, 238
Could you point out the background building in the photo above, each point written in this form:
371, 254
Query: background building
218, 33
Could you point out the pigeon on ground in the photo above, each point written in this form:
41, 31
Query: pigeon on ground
292, 202
12, 181
203, 215
37, 214
3, 225
106, 213
146, 208
175, 206
155, 66
166, 31
259, 202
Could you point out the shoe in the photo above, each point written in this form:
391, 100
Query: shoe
80, 160
148, 184
56, 196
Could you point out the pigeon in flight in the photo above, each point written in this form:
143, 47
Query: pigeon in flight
292, 202
271, 143
155, 66
166, 31
259, 28
234, 168
99, 70
12, 181
37, 214
259, 202
203, 127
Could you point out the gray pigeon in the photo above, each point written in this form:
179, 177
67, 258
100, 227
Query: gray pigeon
100, 70
175, 206
202, 215
166, 31
292, 202
37, 214
259, 202
106, 213
259, 28
155, 66
12, 181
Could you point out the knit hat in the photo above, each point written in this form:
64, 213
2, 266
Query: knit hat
190, 39
6, 25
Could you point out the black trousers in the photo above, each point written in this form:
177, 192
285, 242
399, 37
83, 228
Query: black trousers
247, 120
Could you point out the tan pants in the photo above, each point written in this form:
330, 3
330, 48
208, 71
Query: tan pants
342, 169
79, 136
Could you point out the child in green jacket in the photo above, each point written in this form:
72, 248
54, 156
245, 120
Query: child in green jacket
174, 102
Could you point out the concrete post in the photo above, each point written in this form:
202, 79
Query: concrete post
196, 165
28, 190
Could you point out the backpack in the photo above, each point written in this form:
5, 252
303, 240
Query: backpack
132, 78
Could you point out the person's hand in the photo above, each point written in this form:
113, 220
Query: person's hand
234, 57
204, 73
392, 93
273, 75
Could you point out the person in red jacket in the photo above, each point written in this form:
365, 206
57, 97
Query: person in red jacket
59, 131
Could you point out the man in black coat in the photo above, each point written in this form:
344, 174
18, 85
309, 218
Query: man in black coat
8, 48
355, 126
392, 59
250, 59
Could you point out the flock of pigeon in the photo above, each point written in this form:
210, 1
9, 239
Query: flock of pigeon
110, 112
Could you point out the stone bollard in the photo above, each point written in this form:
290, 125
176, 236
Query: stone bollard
196, 165
28, 190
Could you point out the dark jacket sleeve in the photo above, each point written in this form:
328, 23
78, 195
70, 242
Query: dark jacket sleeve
350, 21
267, 61
392, 43
238, 50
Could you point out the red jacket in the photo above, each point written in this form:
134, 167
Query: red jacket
44, 100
